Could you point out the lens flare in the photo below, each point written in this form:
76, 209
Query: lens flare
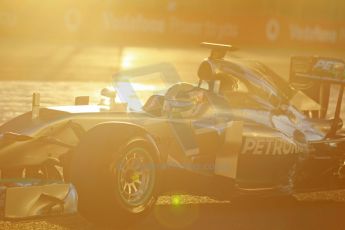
176, 200
176, 211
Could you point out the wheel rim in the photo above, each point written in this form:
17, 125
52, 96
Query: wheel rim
136, 177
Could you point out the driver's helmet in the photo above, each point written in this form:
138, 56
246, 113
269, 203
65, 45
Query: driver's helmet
183, 100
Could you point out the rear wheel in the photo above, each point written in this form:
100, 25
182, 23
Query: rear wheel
116, 186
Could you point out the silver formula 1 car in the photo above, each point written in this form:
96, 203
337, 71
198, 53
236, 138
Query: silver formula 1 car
240, 131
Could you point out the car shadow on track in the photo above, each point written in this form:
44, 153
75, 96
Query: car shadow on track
248, 215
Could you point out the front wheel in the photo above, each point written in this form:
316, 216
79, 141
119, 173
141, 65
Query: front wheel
116, 186
135, 175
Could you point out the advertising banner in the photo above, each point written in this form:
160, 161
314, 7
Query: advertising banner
113, 21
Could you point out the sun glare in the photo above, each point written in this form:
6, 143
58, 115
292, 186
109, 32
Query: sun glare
127, 61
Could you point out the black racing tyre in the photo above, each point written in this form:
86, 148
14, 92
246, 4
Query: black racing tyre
116, 181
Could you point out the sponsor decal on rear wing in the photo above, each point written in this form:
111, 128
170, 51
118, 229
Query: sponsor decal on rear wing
304, 70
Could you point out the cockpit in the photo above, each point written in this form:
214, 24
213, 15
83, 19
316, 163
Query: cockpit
236, 83
185, 100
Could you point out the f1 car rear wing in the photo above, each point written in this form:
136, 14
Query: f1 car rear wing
313, 76
323, 69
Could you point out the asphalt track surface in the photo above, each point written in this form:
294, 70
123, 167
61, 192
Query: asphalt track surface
50, 70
